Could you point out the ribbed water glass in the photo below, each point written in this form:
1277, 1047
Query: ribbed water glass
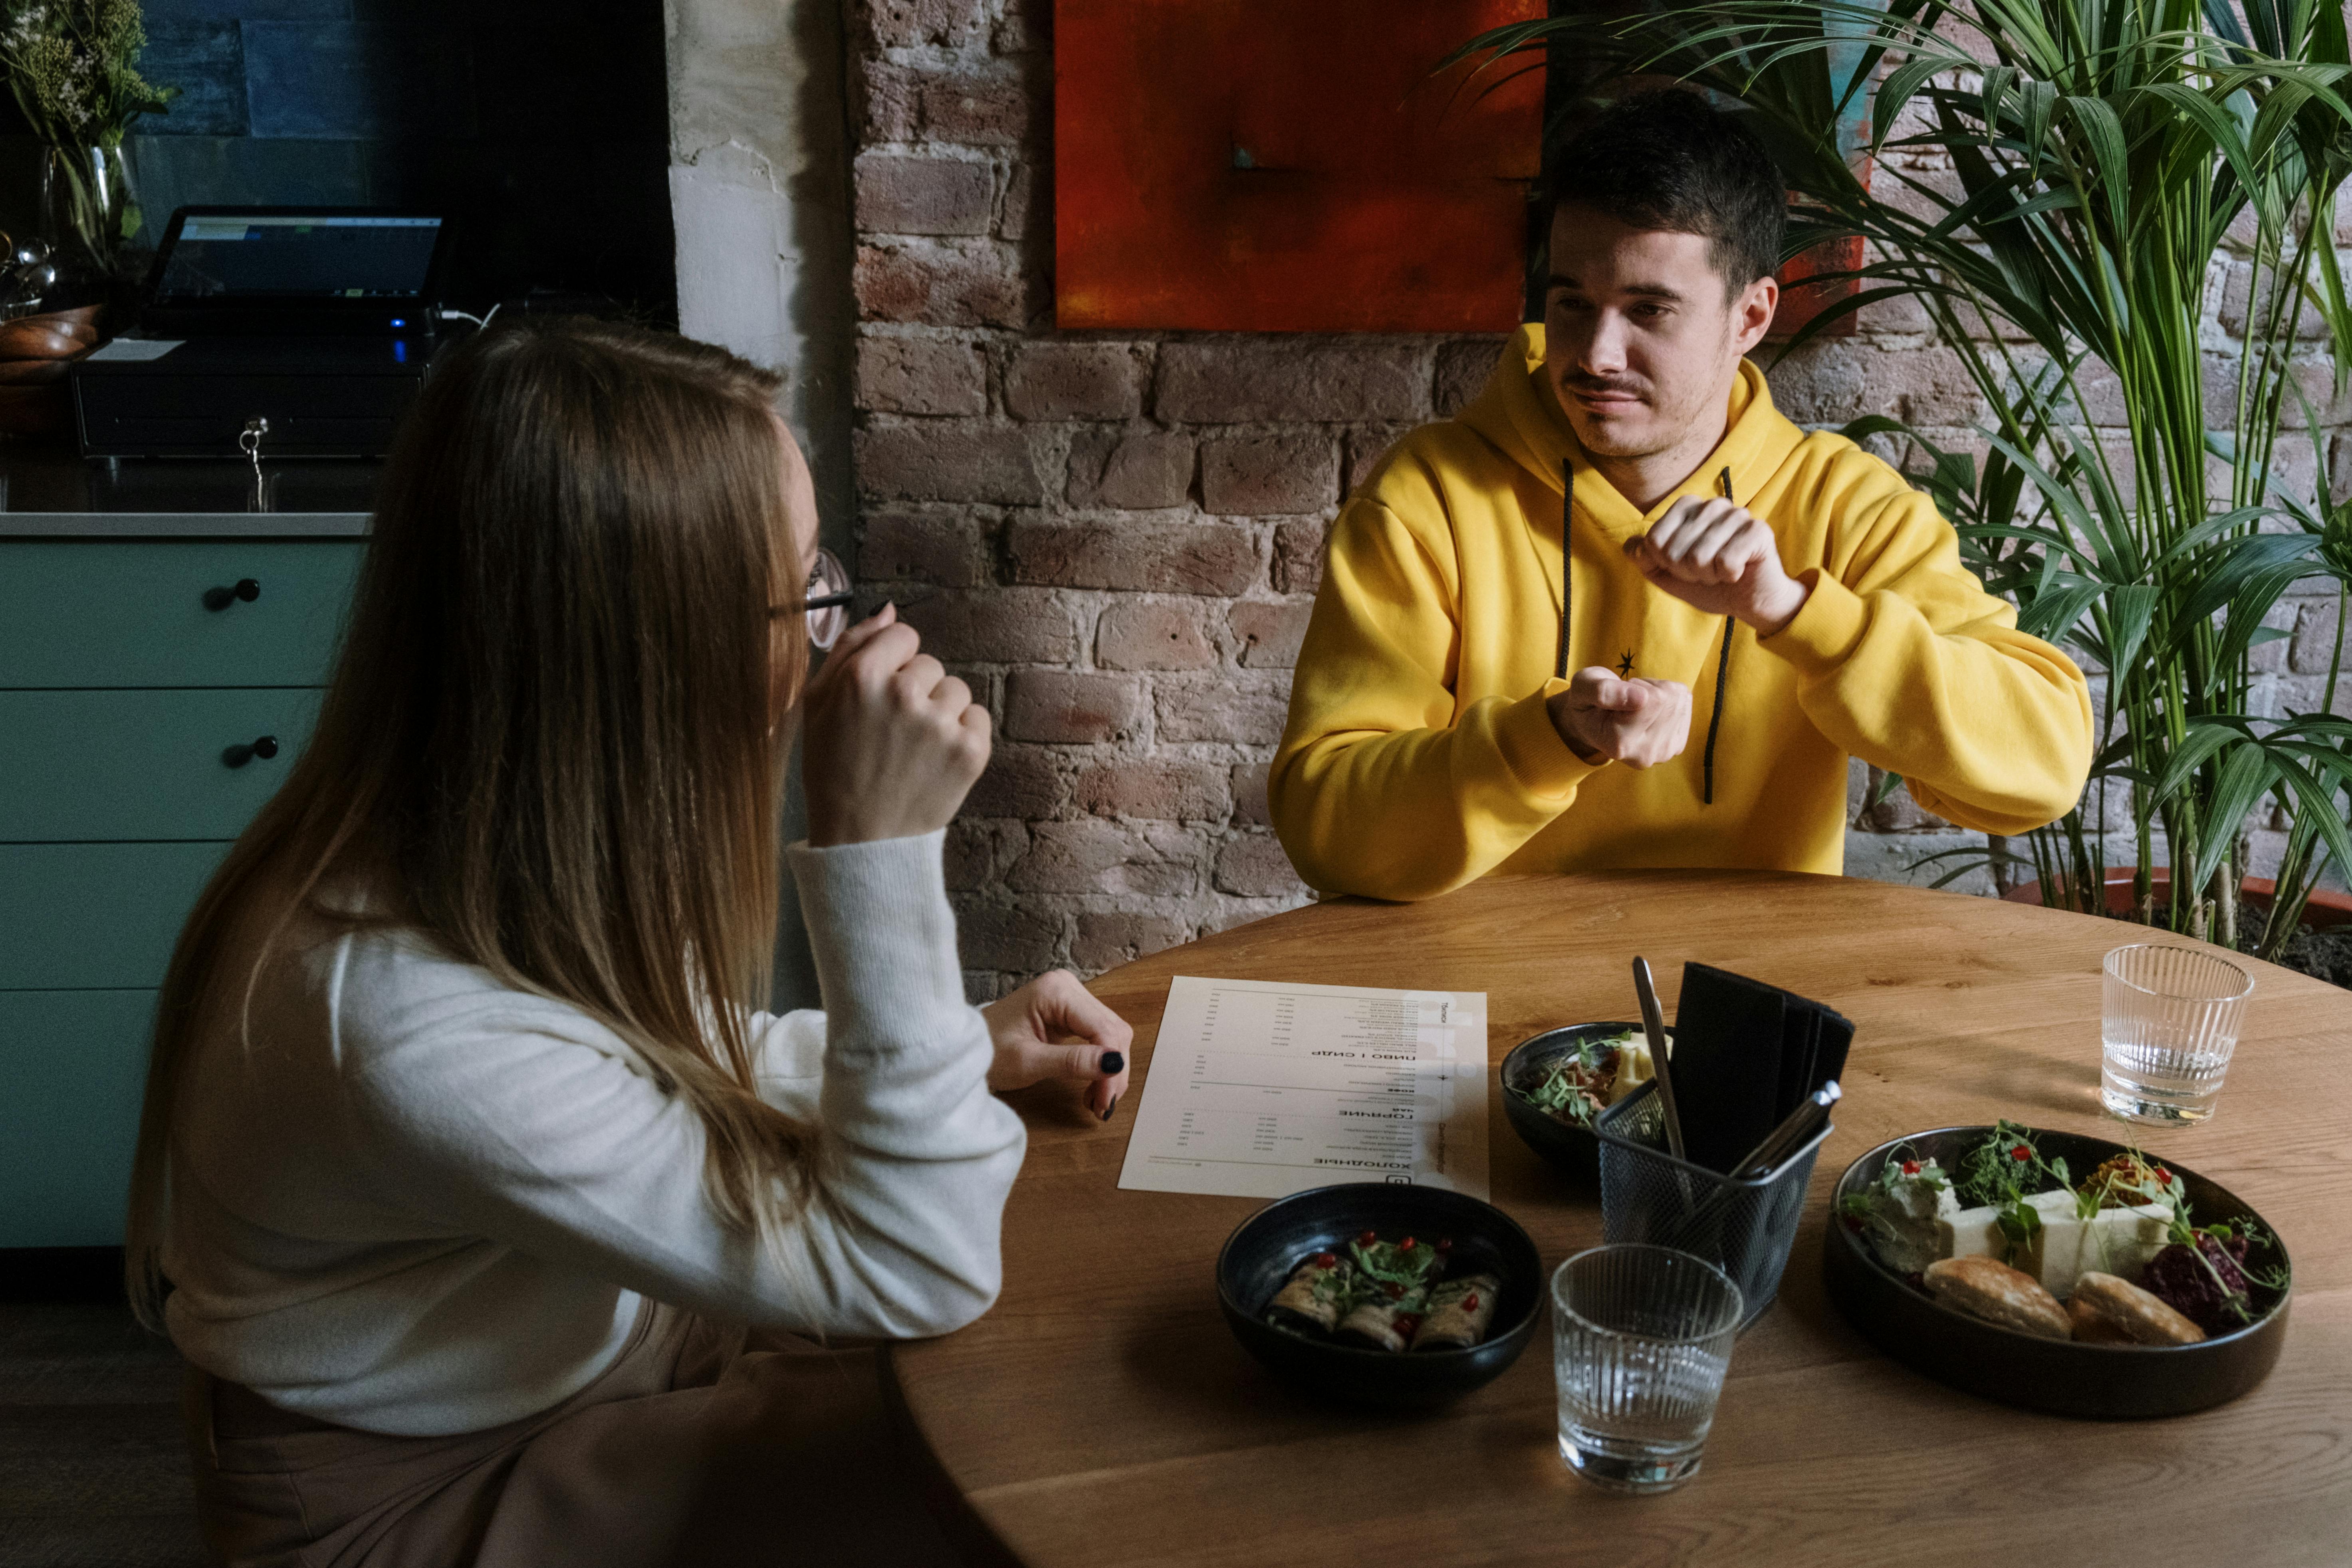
1641, 1341
2169, 1026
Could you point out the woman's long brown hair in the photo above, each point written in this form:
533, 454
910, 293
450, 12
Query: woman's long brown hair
549, 737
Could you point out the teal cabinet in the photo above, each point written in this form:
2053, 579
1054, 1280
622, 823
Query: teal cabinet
75, 1063
83, 766
155, 689
101, 612
96, 916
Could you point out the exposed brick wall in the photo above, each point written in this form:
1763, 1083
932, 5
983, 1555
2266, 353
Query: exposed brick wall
1114, 537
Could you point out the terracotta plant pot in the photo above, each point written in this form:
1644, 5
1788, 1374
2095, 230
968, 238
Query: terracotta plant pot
2324, 911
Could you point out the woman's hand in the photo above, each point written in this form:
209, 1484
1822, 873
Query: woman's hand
892, 739
1027, 1025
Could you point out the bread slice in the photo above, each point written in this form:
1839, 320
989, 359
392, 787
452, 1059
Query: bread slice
1998, 1294
2133, 1313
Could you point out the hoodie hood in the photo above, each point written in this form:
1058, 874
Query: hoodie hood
1516, 412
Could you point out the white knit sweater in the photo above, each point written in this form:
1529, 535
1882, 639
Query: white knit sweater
428, 1204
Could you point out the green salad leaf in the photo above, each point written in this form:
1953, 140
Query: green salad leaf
1566, 1091
1392, 1263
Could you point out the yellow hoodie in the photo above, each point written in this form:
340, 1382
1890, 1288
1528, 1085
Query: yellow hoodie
1420, 755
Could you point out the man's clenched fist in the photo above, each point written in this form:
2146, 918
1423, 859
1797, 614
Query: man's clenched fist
1721, 558
1637, 723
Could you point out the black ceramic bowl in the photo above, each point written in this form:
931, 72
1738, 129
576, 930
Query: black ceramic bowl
2102, 1381
1574, 1150
1260, 1255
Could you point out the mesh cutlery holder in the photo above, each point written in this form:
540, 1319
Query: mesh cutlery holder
1744, 1229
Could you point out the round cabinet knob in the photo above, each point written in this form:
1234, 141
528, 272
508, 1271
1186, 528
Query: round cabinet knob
264, 747
245, 589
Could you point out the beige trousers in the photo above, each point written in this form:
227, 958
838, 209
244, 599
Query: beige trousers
690, 1448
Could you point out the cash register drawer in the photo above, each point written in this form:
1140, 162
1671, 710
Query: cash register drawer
160, 416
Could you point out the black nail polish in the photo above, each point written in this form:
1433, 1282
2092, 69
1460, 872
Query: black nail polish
1111, 1106
1113, 1062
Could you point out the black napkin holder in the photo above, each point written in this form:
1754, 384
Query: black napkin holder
1745, 1054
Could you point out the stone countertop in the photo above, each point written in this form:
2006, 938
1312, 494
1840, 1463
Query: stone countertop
50, 492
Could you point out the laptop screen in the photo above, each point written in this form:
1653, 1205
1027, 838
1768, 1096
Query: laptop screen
225, 257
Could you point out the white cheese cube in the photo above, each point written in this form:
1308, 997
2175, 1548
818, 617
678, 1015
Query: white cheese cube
1971, 1233
1977, 1233
2112, 1241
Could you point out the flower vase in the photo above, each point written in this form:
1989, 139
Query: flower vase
90, 201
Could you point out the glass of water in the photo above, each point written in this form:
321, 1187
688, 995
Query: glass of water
1641, 1340
2170, 1021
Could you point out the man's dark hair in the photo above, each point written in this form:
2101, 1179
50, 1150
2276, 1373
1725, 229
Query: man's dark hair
1666, 160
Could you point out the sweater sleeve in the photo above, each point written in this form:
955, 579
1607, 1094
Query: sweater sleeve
521, 1119
1380, 788
1904, 659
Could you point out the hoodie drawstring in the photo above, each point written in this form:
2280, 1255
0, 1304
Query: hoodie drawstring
1722, 677
1567, 506
1566, 597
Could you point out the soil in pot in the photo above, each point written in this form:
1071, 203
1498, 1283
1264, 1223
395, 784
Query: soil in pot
2321, 949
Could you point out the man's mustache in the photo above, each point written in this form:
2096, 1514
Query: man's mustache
1598, 387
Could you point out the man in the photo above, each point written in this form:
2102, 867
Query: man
1788, 593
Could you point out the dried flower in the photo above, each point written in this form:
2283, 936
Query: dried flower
70, 64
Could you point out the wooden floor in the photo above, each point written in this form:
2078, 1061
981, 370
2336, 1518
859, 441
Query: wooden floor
92, 1472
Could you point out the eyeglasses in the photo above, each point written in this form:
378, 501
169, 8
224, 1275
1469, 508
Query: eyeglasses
827, 603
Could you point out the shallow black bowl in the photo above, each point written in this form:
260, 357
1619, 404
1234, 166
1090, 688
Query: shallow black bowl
1260, 1255
1574, 1150
2102, 1381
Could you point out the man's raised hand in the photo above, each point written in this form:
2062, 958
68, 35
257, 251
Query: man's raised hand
1640, 723
1721, 558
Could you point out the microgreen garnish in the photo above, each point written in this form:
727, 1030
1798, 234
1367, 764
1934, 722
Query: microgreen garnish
1904, 1165
2019, 1221
2007, 1165
1573, 1084
1392, 1264
2273, 1277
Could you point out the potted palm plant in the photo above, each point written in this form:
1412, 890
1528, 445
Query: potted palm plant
2094, 158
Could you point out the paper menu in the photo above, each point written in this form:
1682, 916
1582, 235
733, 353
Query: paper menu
1261, 1089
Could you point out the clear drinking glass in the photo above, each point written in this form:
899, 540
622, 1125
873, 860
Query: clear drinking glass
1641, 1340
2170, 1021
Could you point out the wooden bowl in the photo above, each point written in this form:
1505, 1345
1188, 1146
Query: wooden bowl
1575, 1152
32, 372
2100, 1382
53, 334
1260, 1255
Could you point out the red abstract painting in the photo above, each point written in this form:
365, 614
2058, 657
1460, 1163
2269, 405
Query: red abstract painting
1802, 300
1289, 166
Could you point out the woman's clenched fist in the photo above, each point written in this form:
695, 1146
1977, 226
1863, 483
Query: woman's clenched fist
892, 741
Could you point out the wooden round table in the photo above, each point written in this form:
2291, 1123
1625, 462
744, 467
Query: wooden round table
1103, 1415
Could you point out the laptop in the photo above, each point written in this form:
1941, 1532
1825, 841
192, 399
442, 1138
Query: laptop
291, 271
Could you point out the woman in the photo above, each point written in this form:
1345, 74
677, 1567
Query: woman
465, 1167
